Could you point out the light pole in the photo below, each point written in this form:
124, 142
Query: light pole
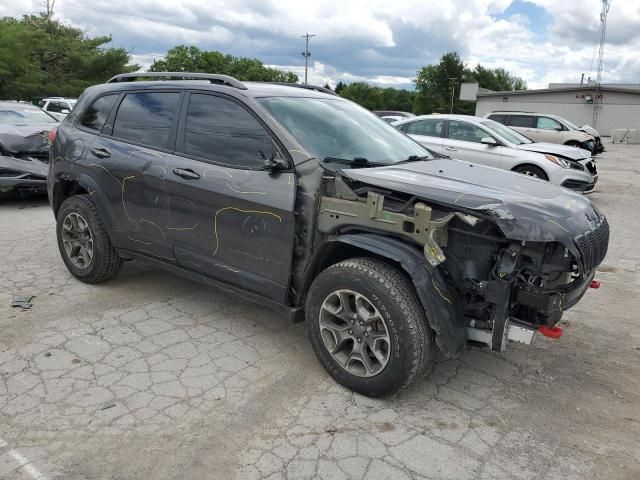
306, 53
452, 85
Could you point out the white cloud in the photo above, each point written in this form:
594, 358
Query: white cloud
380, 41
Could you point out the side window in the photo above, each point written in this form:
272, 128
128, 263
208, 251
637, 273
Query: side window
546, 123
526, 121
428, 128
54, 107
98, 112
146, 118
221, 131
465, 131
499, 118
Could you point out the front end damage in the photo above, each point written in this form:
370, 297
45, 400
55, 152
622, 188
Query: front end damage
491, 270
24, 159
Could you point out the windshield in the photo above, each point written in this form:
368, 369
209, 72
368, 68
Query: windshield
25, 116
508, 134
334, 128
571, 125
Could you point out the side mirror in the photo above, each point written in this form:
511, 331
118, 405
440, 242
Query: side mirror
273, 163
489, 141
558, 128
65, 111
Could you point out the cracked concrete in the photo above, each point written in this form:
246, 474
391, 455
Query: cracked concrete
151, 376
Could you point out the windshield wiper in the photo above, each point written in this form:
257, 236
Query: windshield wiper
354, 162
414, 158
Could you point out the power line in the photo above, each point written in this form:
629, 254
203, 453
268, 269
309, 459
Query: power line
306, 53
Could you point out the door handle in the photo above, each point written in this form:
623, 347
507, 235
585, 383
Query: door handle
186, 173
451, 149
101, 152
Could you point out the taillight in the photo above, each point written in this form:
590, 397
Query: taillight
52, 134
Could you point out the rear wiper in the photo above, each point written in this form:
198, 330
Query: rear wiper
355, 162
413, 158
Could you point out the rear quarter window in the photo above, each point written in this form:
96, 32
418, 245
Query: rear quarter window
147, 118
96, 115
499, 118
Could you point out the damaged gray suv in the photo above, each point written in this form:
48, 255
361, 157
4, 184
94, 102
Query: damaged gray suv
305, 202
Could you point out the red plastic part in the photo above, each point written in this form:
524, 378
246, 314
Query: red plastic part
595, 284
554, 332
52, 134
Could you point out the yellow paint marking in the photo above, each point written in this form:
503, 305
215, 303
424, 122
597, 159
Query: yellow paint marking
204, 174
98, 165
215, 221
227, 267
155, 225
157, 256
439, 292
558, 225
244, 193
139, 241
124, 207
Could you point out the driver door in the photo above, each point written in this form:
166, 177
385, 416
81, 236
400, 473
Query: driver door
463, 141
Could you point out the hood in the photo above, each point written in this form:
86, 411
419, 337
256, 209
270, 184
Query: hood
564, 151
524, 208
26, 138
589, 130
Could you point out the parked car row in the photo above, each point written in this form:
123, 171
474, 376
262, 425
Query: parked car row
58, 107
307, 203
484, 141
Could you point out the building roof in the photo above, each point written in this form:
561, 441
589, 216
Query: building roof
584, 88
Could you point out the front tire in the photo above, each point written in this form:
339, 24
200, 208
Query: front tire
531, 171
83, 241
367, 327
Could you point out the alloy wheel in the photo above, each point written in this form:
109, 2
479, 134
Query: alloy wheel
77, 240
355, 333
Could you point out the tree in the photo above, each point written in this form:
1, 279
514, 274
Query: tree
434, 84
377, 98
183, 58
53, 58
339, 87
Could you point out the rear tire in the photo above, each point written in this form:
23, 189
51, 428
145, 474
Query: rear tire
368, 327
83, 241
531, 171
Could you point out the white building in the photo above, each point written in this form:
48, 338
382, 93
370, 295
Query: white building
619, 109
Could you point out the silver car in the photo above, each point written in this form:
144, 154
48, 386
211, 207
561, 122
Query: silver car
484, 141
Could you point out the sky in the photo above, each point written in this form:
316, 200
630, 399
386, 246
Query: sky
384, 42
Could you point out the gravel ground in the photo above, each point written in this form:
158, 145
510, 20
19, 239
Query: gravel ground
150, 376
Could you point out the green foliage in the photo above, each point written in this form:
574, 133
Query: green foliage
434, 84
42, 57
191, 59
377, 98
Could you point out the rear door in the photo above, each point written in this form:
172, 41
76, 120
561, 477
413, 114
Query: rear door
131, 159
463, 141
427, 132
229, 218
526, 125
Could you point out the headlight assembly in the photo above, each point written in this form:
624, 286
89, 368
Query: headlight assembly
558, 161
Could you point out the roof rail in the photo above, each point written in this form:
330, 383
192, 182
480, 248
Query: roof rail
212, 77
307, 86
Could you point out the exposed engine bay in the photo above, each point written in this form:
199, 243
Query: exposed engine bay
504, 289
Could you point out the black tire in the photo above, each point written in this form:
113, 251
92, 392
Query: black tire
105, 262
573, 143
531, 171
411, 345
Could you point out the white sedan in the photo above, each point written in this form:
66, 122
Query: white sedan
484, 141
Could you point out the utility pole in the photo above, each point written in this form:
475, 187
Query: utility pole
452, 86
306, 53
597, 101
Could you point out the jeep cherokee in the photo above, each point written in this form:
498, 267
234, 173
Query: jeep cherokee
305, 202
